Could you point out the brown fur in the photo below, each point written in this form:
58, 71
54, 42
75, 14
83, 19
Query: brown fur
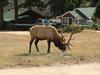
48, 33
44, 32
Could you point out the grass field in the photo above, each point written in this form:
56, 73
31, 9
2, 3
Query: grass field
14, 50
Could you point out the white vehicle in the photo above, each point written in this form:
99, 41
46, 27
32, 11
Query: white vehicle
48, 22
55, 21
42, 22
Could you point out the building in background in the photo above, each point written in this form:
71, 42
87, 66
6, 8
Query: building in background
82, 16
25, 16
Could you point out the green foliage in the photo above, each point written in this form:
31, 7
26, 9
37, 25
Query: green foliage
96, 26
94, 2
70, 6
97, 11
3, 2
40, 4
77, 3
76, 28
88, 27
57, 7
72, 28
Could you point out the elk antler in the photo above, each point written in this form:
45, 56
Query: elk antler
61, 31
68, 42
62, 35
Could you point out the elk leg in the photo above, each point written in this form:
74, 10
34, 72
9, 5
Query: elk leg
31, 41
36, 42
49, 43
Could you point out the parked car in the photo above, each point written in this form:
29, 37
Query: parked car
42, 22
55, 21
48, 22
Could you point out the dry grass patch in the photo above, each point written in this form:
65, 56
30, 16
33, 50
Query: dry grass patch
14, 50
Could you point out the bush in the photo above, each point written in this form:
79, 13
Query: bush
76, 28
96, 26
72, 28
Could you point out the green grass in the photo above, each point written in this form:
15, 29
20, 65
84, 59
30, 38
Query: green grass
14, 50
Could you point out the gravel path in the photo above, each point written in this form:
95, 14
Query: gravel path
82, 69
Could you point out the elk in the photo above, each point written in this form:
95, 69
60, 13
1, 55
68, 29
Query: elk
50, 34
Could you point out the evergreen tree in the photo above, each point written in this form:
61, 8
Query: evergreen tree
16, 10
97, 11
2, 4
70, 5
77, 3
57, 7
94, 2
39, 4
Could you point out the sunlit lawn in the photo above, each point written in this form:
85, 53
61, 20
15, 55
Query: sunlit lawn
14, 50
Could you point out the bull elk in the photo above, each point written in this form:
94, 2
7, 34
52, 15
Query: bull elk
50, 34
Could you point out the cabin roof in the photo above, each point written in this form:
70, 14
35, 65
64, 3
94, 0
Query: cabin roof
86, 13
73, 13
22, 12
81, 13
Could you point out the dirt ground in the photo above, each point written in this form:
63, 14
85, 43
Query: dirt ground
58, 69
82, 69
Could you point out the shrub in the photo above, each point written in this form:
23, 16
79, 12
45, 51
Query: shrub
96, 26
72, 28
78, 28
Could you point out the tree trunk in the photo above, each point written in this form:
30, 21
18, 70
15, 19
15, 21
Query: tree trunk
16, 10
1, 17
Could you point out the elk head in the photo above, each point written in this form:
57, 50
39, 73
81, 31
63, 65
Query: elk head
66, 44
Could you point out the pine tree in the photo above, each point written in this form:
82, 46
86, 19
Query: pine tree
35, 3
94, 2
57, 7
16, 10
2, 4
97, 11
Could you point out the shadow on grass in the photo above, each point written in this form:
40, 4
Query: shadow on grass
24, 54
30, 54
